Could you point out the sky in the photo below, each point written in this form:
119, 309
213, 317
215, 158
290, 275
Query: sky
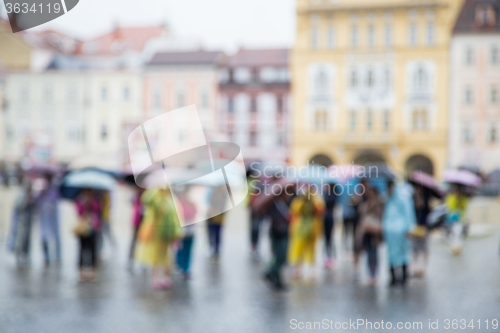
217, 24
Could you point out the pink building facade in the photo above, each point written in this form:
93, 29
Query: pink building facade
475, 87
254, 103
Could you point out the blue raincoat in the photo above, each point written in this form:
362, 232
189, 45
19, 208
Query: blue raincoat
398, 219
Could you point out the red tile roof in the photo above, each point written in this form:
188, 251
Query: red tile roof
259, 58
121, 39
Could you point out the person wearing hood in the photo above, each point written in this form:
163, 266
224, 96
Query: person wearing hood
397, 221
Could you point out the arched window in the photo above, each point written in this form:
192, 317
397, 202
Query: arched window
420, 79
321, 81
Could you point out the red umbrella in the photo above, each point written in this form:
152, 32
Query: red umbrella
424, 179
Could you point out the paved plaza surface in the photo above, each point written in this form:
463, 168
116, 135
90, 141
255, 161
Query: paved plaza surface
230, 296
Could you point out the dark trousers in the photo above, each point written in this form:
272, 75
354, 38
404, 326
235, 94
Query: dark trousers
280, 249
329, 237
133, 243
255, 222
214, 235
370, 246
88, 251
350, 227
184, 254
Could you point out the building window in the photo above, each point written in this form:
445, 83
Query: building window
331, 36
412, 34
104, 94
467, 136
421, 79
253, 138
181, 99
419, 120
494, 55
280, 140
386, 125
469, 56
352, 121
279, 104
354, 36
126, 94
369, 120
230, 104
24, 94
204, 99
72, 133
104, 132
494, 95
157, 98
321, 81
468, 96
431, 33
371, 35
255, 75
230, 135
253, 104
493, 134
320, 120
354, 79
314, 32
388, 35
387, 78
485, 15
370, 80
48, 95
72, 94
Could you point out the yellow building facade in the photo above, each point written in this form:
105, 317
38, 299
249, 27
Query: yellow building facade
15, 53
370, 82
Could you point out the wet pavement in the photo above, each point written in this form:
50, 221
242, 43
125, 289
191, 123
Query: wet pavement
230, 296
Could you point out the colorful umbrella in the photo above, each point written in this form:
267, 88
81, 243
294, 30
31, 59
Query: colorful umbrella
423, 179
462, 177
89, 179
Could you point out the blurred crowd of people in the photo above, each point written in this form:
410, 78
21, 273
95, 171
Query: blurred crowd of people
399, 214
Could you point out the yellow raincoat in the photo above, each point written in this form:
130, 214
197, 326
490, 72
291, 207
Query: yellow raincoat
306, 225
159, 229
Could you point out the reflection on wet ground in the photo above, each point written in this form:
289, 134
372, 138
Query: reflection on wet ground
230, 296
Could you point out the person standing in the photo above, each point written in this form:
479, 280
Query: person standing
420, 235
369, 233
306, 225
456, 204
137, 216
255, 186
89, 224
330, 198
184, 252
22, 220
48, 213
397, 221
217, 205
278, 213
158, 234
